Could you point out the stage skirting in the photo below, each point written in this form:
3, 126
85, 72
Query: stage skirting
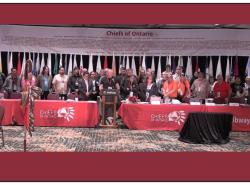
173, 117
135, 116
54, 113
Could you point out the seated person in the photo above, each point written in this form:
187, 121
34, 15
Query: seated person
147, 89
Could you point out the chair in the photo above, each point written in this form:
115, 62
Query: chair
53, 96
72, 96
236, 100
15, 95
1, 118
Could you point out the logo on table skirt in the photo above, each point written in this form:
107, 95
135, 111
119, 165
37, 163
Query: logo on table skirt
175, 116
66, 113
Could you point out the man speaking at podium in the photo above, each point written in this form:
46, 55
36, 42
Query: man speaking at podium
109, 85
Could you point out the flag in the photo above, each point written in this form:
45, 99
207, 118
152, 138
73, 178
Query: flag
10, 63
33, 58
37, 63
180, 61
70, 65
169, 60
236, 67
60, 62
197, 69
120, 61
105, 62
158, 76
19, 65
143, 65
207, 69
75, 62
227, 69
153, 64
98, 65
173, 66
133, 66
81, 61
127, 63
90, 69
248, 67
218, 69
49, 64
210, 70
231, 67
189, 71
123, 61
114, 65
55, 68
42, 63
1, 67
33, 64
66, 64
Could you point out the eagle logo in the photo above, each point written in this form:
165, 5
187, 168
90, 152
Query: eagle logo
66, 113
177, 117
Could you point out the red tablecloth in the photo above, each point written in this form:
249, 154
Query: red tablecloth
12, 111
241, 116
172, 117
157, 117
54, 113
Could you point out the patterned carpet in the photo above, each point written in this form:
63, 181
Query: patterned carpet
53, 139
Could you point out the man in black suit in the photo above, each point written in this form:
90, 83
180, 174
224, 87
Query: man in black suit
95, 86
87, 87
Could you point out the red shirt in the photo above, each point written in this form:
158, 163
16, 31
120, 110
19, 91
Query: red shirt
223, 88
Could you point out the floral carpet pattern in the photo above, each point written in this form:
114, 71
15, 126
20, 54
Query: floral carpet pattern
61, 139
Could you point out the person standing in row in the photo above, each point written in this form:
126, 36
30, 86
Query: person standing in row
60, 83
12, 83
44, 81
74, 81
200, 88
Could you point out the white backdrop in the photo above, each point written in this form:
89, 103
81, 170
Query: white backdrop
85, 41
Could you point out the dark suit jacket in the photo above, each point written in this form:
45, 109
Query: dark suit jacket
83, 89
143, 90
126, 88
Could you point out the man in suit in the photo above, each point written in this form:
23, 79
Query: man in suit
95, 84
87, 87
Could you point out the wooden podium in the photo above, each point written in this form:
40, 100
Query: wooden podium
109, 98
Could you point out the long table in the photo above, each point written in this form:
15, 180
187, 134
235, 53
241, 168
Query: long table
172, 117
54, 113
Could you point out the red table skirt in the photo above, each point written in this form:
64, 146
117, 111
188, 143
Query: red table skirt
172, 117
54, 113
